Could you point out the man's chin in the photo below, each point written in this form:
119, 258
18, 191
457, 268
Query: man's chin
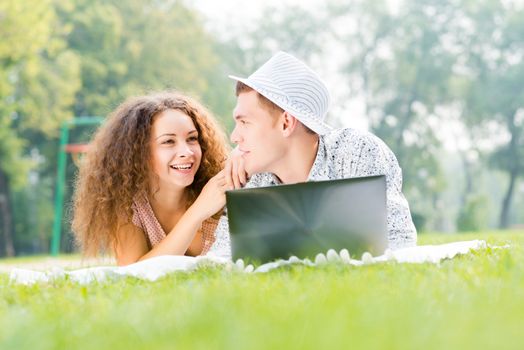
249, 171
252, 167
254, 170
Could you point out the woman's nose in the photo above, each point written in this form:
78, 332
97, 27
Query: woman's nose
185, 150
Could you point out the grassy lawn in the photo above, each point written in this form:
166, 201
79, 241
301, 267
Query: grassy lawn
470, 302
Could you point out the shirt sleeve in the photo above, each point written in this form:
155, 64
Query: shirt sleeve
222, 245
371, 156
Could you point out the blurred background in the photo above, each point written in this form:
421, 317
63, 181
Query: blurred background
441, 82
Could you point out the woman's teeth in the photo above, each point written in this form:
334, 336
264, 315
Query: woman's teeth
181, 166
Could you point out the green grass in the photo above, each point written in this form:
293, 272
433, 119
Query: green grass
470, 302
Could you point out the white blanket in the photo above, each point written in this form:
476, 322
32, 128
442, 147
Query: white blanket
157, 267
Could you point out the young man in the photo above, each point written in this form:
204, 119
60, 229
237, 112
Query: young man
281, 138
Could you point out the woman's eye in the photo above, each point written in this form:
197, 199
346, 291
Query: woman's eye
193, 139
168, 142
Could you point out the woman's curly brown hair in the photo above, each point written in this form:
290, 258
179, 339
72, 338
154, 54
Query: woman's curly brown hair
117, 165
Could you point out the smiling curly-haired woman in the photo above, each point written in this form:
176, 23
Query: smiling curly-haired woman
151, 182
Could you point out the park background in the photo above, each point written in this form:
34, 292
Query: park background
441, 82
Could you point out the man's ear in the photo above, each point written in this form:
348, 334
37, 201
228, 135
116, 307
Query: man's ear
289, 123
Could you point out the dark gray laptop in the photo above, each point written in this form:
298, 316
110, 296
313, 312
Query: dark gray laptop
305, 219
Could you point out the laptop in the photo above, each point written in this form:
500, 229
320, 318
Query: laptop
304, 219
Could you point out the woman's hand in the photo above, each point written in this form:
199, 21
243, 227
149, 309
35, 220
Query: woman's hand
212, 198
234, 171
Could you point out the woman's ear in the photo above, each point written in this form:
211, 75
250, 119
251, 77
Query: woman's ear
289, 123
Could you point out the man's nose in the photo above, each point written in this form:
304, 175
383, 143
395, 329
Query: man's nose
235, 137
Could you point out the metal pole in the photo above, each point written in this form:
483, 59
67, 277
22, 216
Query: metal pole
61, 174
60, 184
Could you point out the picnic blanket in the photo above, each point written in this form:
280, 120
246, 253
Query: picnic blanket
157, 267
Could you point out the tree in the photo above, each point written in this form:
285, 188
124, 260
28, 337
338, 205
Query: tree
495, 57
398, 63
132, 47
38, 80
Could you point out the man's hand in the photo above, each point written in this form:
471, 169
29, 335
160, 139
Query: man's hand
234, 171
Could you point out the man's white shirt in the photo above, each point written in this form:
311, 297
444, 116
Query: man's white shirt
346, 153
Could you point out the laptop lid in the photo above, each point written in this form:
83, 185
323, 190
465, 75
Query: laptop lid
304, 219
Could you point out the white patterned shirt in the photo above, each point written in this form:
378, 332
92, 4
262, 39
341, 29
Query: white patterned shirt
347, 153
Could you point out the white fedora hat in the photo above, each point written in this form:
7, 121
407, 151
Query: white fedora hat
293, 86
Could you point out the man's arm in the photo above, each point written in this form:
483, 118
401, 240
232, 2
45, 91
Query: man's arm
222, 245
371, 156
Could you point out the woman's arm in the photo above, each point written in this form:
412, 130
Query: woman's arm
132, 246
180, 237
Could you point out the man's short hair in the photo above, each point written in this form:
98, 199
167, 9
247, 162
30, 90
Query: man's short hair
271, 107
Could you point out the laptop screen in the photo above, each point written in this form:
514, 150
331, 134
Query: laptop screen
305, 219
